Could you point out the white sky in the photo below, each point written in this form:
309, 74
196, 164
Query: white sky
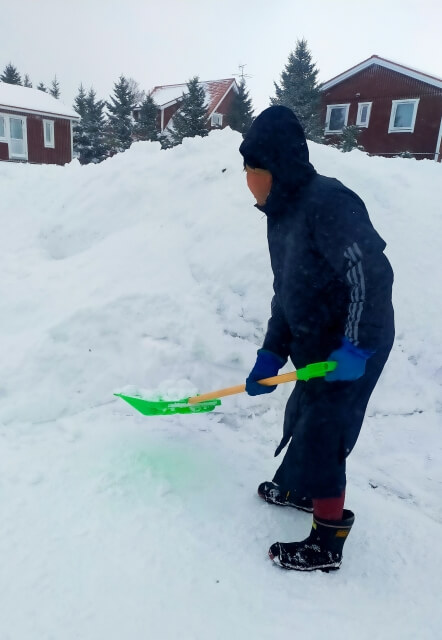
94, 41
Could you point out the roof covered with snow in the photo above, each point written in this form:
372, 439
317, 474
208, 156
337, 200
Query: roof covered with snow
18, 98
388, 64
215, 91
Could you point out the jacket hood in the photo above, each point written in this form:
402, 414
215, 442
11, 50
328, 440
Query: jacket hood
276, 142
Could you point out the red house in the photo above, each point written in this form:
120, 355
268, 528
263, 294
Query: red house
219, 97
34, 126
398, 109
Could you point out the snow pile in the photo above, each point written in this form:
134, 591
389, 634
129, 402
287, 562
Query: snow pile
151, 270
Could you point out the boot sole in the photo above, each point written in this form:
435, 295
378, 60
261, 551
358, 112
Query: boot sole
325, 567
285, 504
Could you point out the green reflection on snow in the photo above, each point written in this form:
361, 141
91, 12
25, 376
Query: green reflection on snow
176, 465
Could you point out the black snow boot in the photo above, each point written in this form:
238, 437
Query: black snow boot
321, 550
273, 493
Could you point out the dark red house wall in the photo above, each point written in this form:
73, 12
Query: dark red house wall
224, 108
37, 152
380, 86
4, 151
169, 112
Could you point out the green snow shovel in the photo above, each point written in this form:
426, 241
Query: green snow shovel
208, 401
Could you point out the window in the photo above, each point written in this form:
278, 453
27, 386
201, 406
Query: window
13, 131
403, 116
363, 117
48, 130
16, 138
217, 119
336, 118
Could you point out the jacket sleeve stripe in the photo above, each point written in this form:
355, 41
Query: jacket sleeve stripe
355, 276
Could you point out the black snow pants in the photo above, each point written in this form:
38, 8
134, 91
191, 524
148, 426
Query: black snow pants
322, 423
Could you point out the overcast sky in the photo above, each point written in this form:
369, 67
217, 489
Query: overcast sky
95, 41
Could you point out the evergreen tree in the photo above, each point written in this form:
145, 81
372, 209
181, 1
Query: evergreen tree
10, 75
348, 140
165, 139
95, 129
299, 90
120, 123
90, 132
41, 87
80, 140
55, 88
80, 102
191, 119
147, 126
240, 117
27, 81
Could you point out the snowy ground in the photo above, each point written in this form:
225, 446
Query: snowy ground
151, 269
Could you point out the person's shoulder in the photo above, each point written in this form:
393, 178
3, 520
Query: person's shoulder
330, 191
325, 184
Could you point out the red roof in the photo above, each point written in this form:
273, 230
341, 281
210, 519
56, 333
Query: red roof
167, 94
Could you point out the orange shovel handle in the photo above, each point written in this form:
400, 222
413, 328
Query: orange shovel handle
240, 388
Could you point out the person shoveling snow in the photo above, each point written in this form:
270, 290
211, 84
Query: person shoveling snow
332, 301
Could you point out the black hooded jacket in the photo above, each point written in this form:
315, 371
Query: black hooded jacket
331, 277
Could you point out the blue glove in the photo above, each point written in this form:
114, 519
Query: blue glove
267, 365
351, 362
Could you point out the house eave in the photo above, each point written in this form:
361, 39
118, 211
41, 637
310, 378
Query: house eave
169, 104
387, 64
9, 107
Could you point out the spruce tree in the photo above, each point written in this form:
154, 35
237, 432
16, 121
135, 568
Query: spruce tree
95, 129
240, 116
27, 81
80, 102
147, 126
191, 118
120, 123
348, 140
10, 75
42, 87
165, 138
80, 140
299, 90
90, 132
55, 88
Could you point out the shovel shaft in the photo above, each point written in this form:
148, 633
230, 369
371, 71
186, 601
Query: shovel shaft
240, 388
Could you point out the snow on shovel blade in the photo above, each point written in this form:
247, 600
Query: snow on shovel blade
167, 407
208, 401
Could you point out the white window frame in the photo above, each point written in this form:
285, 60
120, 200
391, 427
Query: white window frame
49, 144
216, 120
329, 131
394, 106
7, 137
439, 140
361, 105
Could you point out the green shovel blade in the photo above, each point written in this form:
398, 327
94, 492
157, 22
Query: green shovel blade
167, 407
160, 407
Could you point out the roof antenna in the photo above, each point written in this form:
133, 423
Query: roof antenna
242, 75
